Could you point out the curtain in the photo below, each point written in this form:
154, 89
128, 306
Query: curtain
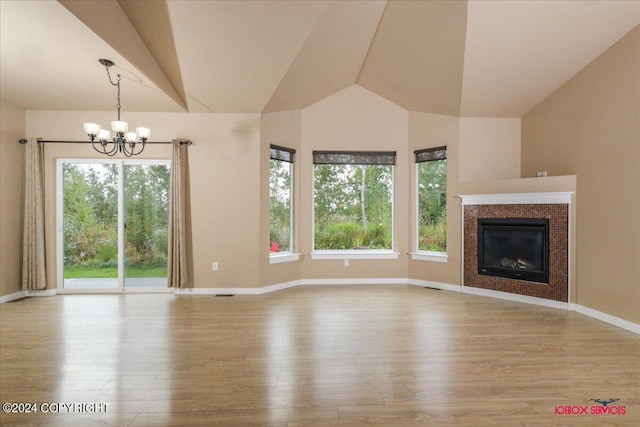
178, 275
34, 272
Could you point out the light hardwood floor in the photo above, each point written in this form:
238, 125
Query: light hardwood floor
313, 356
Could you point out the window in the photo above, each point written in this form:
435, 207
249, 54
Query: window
281, 198
353, 200
431, 171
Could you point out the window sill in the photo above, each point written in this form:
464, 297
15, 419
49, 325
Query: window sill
354, 254
277, 258
430, 256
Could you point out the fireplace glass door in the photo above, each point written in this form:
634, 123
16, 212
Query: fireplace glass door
514, 248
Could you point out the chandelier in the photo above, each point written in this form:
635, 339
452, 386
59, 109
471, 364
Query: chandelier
127, 143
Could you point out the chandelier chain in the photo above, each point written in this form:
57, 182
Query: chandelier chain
117, 83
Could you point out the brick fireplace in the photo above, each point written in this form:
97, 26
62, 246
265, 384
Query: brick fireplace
553, 207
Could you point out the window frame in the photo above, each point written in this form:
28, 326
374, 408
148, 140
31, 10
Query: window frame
423, 156
287, 155
387, 158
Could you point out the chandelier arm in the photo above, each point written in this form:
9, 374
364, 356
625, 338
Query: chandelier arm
93, 144
129, 149
132, 149
102, 148
114, 150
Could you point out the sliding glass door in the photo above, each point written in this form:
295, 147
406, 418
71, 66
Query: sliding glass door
146, 215
112, 224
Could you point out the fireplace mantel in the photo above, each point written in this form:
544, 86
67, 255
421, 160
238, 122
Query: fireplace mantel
549, 198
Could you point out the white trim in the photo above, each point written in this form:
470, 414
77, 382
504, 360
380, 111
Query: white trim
430, 256
415, 210
607, 318
121, 243
113, 291
24, 294
216, 291
42, 293
437, 285
237, 291
12, 297
378, 281
569, 252
354, 254
279, 286
60, 223
517, 198
277, 258
515, 297
93, 291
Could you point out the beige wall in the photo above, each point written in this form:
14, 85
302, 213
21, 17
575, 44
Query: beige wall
224, 176
12, 128
229, 181
354, 119
284, 129
591, 127
427, 131
489, 149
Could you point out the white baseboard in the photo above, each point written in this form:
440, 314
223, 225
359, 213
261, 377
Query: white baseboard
12, 297
24, 294
607, 318
286, 285
280, 286
514, 297
436, 285
236, 291
42, 293
389, 281
217, 291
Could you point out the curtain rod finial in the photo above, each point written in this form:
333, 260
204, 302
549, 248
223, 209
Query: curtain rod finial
22, 141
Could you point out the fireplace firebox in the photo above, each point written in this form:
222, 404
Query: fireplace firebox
515, 248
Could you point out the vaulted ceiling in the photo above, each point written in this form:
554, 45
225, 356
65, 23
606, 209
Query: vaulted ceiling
465, 58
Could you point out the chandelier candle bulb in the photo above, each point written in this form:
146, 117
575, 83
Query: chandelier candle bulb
119, 126
143, 133
104, 135
131, 137
91, 128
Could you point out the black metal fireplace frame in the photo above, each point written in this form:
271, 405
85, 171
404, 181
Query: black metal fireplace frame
539, 224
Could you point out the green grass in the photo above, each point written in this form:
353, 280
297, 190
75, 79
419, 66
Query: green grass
75, 272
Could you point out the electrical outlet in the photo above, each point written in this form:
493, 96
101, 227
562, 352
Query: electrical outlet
214, 266
346, 263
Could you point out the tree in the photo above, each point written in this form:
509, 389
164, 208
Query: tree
353, 206
90, 209
432, 205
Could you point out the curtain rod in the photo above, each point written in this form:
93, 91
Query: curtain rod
43, 141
